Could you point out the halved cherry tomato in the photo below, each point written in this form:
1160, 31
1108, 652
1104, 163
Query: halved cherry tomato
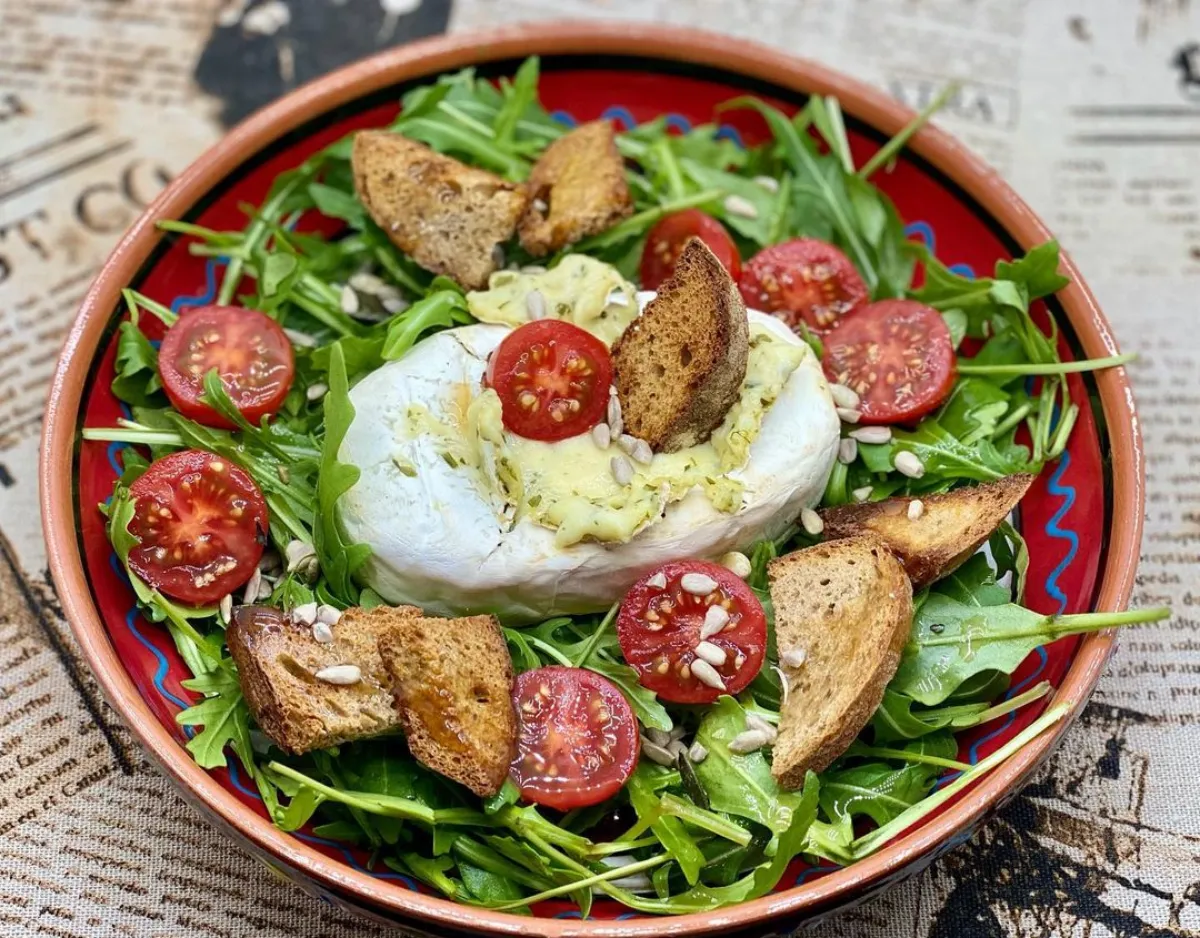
578, 740
659, 628
247, 348
552, 378
202, 523
803, 280
897, 355
667, 238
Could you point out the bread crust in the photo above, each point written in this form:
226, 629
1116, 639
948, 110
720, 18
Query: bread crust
679, 367
848, 605
580, 181
447, 216
950, 528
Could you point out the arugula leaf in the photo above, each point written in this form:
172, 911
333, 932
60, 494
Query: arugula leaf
946, 458
879, 790
224, 715
952, 641
137, 380
442, 309
740, 785
339, 559
670, 830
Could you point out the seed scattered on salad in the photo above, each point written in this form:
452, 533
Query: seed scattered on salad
874, 435
848, 415
698, 584
811, 522
847, 450
601, 435
909, 464
740, 205
622, 470
322, 632
916, 508
737, 562
862, 494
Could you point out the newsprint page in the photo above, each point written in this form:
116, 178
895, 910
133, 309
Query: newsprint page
1090, 108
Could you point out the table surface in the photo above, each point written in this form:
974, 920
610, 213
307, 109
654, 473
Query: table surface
1091, 108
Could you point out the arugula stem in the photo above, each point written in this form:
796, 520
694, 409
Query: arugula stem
596, 635
135, 300
709, 821
886, 153
906, 755
1037, 692
123, 435
636, 224
1013, 418
1056, 627
595, 879
1048, 368
870, 842
621, 846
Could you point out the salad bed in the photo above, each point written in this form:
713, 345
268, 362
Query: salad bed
702, 835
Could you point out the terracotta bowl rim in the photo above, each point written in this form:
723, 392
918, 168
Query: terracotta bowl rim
429, 57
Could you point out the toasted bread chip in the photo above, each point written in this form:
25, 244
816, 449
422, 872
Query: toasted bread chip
447, 216
453, 680
278, 661
944, 533
679, 366
577, 188
843, 608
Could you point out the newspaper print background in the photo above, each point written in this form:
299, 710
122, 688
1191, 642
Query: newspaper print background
1091, 108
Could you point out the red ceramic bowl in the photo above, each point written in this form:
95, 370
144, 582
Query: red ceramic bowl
1082, 519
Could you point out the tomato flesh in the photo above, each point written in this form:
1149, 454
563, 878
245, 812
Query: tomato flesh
202, 526
552, 378
803, 280
578, 741
659, 628
897, 355
247, 348
666, 240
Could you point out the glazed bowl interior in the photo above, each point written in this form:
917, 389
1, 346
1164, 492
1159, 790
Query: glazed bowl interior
1081, 519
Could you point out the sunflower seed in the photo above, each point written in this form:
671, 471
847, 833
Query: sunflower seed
875, 435
616, 297
541, 205
848, 450
366, 282
738, 562
747, 742
677, 747
811, 522
739, 205
909, 464
861, 495
253, 585
498, 255
340, 674
535, 304
305, 614
678, 732
697, 753
284, 473
658, 737
844, 396
316, 391
698, 584
621, 469
715, 618
793, 658
848, 415
713, 654
770, 183
626, 443
349, 300
916, 508
322, 633
329, 615
658, 581
641, 452
303, 339
601, 435
226, 608
615, 423
759, 725
657, 754
395, 304
705, 673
